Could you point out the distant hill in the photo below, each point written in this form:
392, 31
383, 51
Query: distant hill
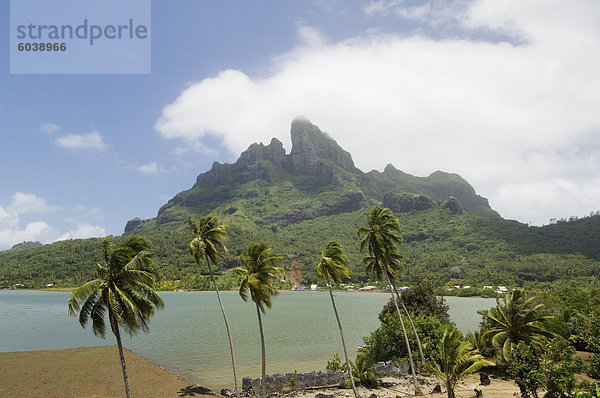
23, 245
299, 201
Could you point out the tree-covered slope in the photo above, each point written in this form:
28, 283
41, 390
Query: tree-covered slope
298, 202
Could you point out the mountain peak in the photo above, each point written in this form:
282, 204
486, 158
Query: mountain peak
310, 145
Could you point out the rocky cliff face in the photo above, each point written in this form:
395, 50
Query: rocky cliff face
311, 147
311, 155
407, 202
315, 165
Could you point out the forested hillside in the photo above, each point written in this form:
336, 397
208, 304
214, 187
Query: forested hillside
298, 202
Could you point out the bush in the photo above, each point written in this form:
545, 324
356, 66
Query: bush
552, 368
335, 364
593, 369
526, 369
559, 364
388, 344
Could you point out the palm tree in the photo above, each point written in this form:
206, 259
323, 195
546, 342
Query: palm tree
123, 291
258, 273
456, 359
208, 246
515, 318
361, 369
334, 265
419, 345
381, 239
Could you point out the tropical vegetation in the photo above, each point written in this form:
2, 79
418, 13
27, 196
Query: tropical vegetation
333, 267
515, 318
123, 292
380, 240
259, 273
455, 360
207, 245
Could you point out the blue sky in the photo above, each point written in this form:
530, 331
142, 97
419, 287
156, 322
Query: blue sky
504, 93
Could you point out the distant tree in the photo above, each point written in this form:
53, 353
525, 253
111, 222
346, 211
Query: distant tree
258, 273
208, 246
123, 292
333, 267
456, 359
515, 318
420, 299
380, 240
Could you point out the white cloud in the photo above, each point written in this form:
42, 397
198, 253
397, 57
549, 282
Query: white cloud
29, 203
150, 168
514, 120
84, 231
49, 128
91, 140
13, 231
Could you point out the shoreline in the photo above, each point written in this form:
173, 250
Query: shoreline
96, 371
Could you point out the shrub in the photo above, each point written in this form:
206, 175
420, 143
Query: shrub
593, 369
388, 344
335, 364
552, 367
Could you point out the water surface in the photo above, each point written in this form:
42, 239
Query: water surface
188, 336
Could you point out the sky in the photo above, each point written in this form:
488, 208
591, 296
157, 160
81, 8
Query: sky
504, 93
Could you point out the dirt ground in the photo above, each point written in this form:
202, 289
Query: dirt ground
87, 372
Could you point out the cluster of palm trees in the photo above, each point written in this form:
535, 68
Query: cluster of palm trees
124, 292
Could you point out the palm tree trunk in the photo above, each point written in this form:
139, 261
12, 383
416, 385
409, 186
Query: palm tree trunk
212, 277
264, 354
115, 328
412, 325
410, 358
349, 368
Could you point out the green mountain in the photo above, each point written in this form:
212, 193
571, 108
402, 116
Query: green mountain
301, 200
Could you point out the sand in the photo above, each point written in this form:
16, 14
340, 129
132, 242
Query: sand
87, 372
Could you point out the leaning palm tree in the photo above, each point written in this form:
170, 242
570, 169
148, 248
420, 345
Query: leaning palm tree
208, 246
455, 360
412, 325
123, 291
380, 239
334, 265
258, 273
515, 318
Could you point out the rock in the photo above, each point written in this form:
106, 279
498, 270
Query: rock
132, 225
373, 395
407, 202
386, 369
226, 393
437, 389
309, 144
453, 205
478, 393
484, 379
321, 395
